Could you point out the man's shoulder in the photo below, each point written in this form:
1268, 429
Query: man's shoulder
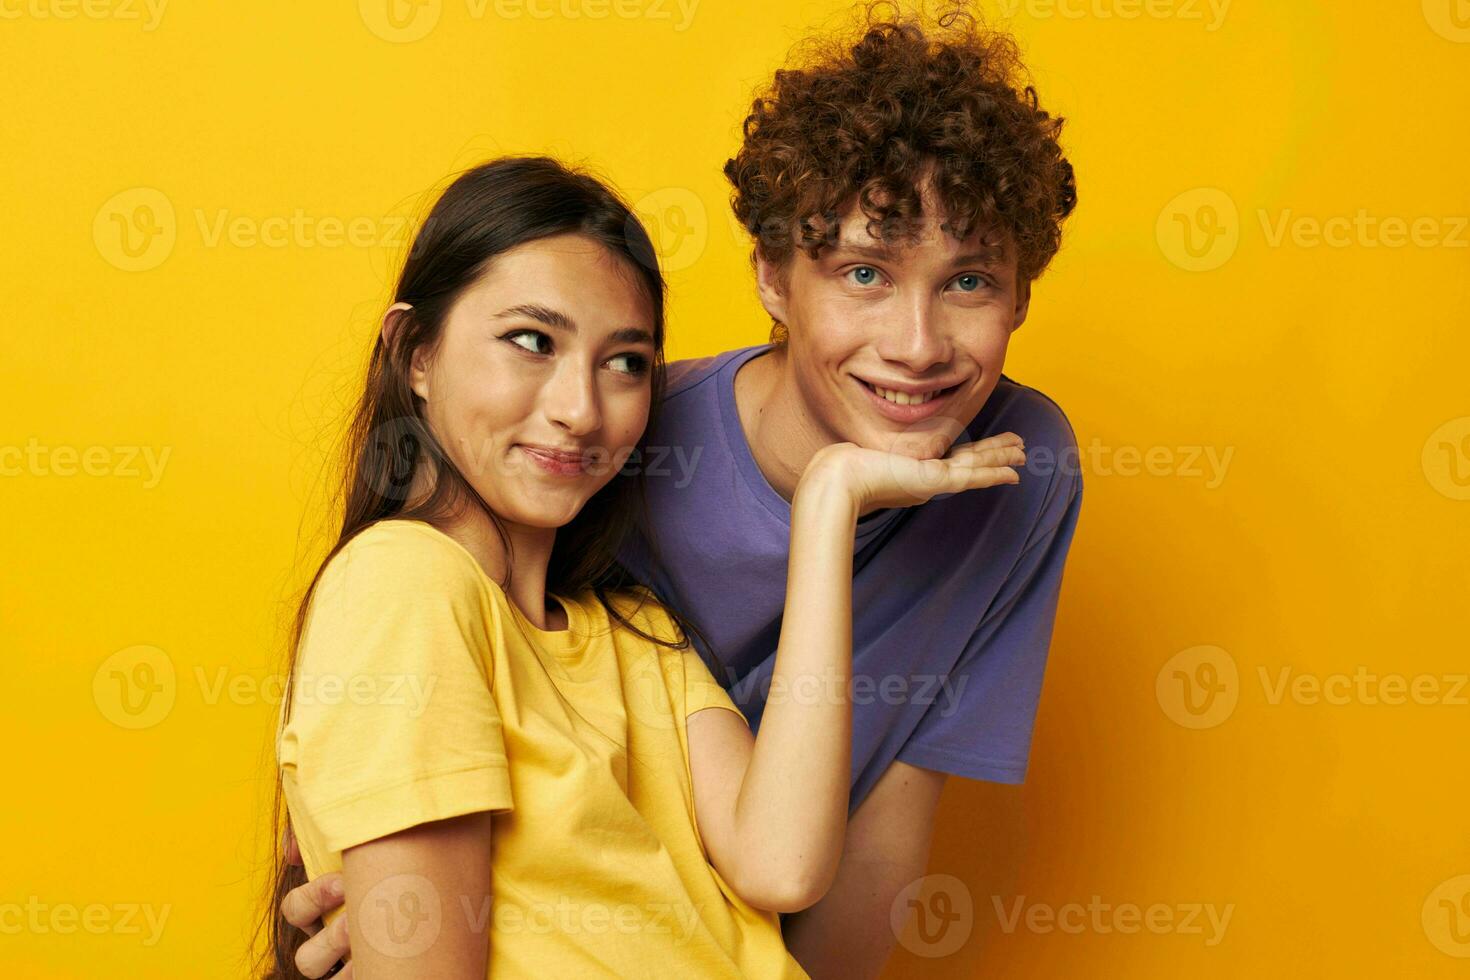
689, 373
1052, 476
1030, 413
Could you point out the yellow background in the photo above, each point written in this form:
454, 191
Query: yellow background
1332, 545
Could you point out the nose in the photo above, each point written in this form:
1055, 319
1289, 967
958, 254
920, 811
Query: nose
570, 399
916, 339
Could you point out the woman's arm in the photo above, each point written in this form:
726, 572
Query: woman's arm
418, 901
772, 809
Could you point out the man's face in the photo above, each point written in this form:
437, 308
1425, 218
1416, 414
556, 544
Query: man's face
896, 347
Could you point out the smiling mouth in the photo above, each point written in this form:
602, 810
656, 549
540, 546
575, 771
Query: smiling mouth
903, 398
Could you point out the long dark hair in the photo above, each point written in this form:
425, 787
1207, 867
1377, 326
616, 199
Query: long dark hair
485, 212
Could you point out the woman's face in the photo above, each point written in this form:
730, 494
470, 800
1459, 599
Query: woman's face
539, 387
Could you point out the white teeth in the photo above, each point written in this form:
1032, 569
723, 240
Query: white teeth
901, 398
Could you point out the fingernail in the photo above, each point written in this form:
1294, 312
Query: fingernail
336, 888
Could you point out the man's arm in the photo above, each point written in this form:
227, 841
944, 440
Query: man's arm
848, 933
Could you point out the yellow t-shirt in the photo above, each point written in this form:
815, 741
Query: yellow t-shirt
421, 693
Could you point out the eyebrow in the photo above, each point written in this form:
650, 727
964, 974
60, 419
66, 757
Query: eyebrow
559, 320
883, 252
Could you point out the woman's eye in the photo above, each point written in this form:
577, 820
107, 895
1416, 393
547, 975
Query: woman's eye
969, 282
863, 275
633, 363
531, 340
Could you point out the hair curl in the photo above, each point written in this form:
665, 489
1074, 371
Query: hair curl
871, 121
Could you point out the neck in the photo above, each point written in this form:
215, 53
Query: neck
518, 561
521, 571
782, 434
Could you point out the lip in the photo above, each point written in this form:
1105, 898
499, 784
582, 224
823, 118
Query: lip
557, 462
909, 413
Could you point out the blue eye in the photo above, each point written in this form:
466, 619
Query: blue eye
536, 336
864, 275
969, 282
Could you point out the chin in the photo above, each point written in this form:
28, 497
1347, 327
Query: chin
930, 439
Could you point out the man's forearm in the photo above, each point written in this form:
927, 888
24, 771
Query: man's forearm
849, 933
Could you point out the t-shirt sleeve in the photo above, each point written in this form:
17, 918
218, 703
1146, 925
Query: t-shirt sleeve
701, 690
980, 725
392, 721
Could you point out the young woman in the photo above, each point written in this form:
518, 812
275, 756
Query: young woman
498, 739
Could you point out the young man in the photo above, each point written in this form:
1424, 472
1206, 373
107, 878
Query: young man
903, 194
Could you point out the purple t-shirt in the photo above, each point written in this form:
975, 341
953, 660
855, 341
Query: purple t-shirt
953, 600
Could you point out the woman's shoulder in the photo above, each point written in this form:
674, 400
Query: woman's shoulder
408, 555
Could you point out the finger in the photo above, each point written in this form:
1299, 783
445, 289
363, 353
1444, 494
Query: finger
305, 904
982, 476
322, 951
1011, 455
293, 849
991, 442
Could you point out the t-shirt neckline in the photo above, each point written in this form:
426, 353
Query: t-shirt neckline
567, 642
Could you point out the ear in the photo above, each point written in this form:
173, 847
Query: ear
418, 374
1023, 304
771, 287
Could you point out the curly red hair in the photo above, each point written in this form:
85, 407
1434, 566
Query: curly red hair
907, 104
